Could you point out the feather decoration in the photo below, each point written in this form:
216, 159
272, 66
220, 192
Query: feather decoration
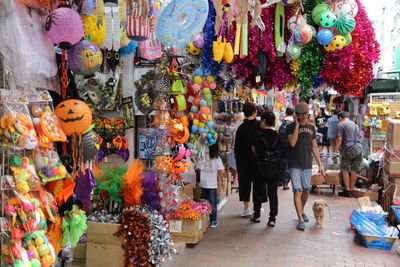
111, 181
132, 188
150, 195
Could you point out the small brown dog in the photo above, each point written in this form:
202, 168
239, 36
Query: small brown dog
319, 211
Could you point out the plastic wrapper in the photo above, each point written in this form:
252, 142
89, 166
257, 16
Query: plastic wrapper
46, 123
28, 54
49, 165
24, 174
16, 126
25, 222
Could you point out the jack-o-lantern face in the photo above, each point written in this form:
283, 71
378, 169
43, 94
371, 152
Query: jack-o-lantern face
75, 116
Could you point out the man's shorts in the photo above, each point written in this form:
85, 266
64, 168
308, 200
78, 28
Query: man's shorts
351, 162
301, 179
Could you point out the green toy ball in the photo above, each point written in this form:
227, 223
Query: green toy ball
328, 19
318, 11
345, 24
348, 38
35, 263
16, 160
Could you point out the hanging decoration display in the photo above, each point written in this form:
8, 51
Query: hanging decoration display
349, 69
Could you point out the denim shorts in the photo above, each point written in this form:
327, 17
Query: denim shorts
301, 179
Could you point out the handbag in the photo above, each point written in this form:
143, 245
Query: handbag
270, 165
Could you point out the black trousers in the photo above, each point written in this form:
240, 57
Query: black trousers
272, 191
245, 177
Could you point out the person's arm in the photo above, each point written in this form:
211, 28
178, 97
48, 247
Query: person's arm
237, 143
315, 152
339, 133
295, 135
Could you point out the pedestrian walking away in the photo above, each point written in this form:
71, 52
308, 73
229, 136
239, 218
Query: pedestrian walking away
245, 161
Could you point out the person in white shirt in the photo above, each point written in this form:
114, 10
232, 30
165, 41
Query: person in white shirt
209, 173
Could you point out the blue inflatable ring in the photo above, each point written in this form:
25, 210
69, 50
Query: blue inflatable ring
181, 21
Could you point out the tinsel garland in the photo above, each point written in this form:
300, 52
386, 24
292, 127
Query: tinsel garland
208, 62
146, 239
312, 55
350, 69
278, 69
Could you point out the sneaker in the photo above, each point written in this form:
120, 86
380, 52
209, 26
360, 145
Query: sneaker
305, 218
262, 210
301, 226
245, 213
214, 224
345, 193
286, 187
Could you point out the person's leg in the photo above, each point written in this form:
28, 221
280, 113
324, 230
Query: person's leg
295, 176
353, 180
213, 201
346, 180
244, 176
272, 187
306, 186
298, 205
257, 209
304, 198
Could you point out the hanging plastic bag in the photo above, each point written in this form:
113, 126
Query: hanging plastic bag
28, 54
150, 48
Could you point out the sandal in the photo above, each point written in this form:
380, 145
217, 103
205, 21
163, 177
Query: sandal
271, 223
255, 220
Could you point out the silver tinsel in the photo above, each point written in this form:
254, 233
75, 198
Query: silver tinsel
103, 216
161, 246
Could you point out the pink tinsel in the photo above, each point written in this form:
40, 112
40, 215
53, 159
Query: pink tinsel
349, 70
278, 69
202, 207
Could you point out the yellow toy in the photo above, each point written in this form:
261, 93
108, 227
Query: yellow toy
386, 110
397, 114
373, 111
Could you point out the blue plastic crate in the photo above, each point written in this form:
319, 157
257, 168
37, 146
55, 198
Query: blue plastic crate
377, 218
396, 211
376, 242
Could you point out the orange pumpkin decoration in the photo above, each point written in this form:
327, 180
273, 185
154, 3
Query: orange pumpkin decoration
75, 116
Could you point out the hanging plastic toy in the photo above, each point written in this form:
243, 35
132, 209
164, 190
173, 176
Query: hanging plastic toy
181, 21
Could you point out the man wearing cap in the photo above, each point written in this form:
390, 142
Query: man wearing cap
303, 144
348, 139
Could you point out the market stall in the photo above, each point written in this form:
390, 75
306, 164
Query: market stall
109, 108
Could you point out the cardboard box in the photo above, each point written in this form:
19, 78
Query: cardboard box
332, 177
80, 252
103, 249
315, 179
392, 168
188, 190
393, 133
357, 193
187, 230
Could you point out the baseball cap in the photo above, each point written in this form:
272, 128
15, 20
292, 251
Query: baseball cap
301, 108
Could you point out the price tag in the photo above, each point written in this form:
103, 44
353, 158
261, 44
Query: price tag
175, 226
258, 79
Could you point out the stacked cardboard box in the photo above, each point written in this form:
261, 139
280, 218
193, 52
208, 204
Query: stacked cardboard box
187, 230
392, 161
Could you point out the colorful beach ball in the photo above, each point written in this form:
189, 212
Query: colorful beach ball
304, 33
84, 58
345, 24
346, 7
324, 37
318, 11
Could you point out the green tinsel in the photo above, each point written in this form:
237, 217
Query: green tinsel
312, 55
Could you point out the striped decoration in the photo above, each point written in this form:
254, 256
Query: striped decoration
345, 24
137, 27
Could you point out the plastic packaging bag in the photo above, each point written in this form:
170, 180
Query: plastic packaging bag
46, 123
28, 54
16, 125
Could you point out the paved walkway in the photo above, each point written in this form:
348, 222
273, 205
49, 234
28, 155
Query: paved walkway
237, 242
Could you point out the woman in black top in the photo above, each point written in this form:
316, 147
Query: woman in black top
265, 145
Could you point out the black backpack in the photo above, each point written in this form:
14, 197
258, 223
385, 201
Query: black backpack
283, 136
270, 165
